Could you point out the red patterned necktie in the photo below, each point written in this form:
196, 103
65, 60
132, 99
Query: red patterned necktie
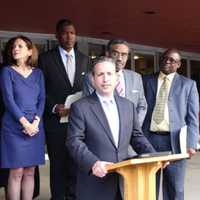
120, 88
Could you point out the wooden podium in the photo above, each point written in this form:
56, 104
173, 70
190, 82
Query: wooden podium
140, 175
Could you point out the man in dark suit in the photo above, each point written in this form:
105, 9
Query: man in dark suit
173, 103
64, 68
101, 127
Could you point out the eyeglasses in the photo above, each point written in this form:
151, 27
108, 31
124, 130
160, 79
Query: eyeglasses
170, 60
116, 54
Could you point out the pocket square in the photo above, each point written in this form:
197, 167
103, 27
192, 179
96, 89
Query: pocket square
134, 91
83, 73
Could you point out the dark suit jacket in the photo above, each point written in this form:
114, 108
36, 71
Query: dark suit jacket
89, 139
58, 86
183, 105
3, 172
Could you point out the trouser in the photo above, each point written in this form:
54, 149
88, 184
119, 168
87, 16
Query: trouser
173, 174
62, 168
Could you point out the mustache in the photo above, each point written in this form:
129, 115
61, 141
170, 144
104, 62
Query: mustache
119, 61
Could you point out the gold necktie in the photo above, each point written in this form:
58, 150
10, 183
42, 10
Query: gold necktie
159, 109
70, 69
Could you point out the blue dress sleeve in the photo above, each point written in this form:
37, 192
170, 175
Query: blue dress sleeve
41, 97
7, 93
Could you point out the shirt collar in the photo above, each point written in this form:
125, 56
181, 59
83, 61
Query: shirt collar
105, 99
120, 73
64, 52
169, 76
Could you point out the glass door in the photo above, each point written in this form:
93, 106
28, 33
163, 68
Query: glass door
144, 62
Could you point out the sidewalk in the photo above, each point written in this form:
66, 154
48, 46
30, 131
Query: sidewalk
192, 181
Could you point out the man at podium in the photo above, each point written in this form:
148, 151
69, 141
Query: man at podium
101, 127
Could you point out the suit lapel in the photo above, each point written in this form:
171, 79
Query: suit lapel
126, 80
175, 85
100, 115
122, 117
60, 65
77, 67
153, 82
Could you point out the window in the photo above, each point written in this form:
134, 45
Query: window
144, 63
96, 50
183, 69
195, 72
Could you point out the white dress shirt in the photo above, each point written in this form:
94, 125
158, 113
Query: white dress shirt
110, 108
64, 57
63, 54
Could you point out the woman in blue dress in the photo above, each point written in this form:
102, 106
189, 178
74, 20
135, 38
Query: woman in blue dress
22, 133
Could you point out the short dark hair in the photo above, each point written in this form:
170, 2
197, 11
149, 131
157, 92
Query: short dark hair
101, 60
32, 60
171, 50
63, 22
116, 41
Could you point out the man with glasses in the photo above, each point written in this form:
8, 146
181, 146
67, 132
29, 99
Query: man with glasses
129, 82
173, 103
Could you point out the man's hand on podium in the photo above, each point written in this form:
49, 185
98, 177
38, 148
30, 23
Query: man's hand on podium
165, 164
99, 168
191, 152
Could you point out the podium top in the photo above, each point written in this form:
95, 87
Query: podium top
138, 161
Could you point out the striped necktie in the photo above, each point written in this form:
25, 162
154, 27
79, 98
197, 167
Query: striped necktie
120, 88
161, 101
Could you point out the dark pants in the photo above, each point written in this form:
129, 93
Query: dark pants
4, 177
37, 183
173, 174
118, 195
62, 168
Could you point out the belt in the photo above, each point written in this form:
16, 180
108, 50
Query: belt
161, 133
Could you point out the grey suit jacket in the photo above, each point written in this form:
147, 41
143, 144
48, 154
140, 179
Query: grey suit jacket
134, 91
90, 139
183, 104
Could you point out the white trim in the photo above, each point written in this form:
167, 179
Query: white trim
46, 156
136, 47
8, 34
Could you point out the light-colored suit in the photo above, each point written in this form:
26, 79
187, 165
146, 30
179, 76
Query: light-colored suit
134, 91
90, 139
183, 106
